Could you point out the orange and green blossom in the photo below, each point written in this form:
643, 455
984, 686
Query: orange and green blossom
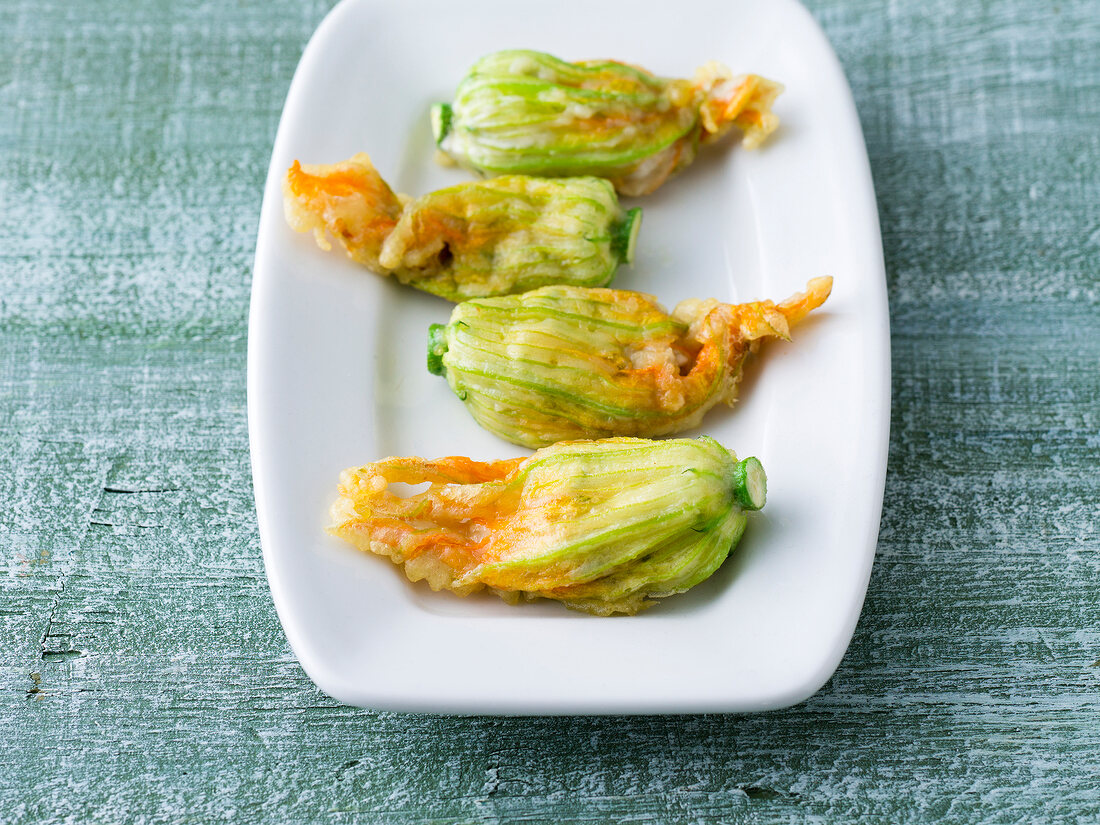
563, 362
528, 112
603, 526
494, 237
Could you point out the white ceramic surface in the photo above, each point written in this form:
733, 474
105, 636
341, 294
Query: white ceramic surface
337, 377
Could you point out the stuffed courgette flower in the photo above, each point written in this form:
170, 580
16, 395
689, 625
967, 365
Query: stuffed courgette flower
562, 363
603, 526
493, 237
531, 113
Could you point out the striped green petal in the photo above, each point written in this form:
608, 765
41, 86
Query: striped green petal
520, 111
603, 526
494, 237
563, 362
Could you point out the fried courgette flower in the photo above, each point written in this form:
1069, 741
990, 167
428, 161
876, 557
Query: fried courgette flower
562, 363
531, 113
603, 526
493, 237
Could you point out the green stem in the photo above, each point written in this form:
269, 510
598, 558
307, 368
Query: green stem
437, 347
750, 484
442, 118
624, 236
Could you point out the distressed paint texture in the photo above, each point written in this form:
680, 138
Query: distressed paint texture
144, 675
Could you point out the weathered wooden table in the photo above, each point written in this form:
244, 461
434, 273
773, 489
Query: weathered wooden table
144, 674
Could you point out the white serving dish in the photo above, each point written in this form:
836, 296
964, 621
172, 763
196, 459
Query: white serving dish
336, 374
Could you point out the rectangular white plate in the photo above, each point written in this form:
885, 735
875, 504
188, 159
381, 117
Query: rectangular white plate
337, 377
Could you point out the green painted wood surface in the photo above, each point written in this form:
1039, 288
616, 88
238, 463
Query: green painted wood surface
144, 674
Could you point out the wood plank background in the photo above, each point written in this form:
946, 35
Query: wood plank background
144, 674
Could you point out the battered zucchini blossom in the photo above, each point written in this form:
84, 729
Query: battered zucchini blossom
602, 526
562, 363
531, 113
494, 237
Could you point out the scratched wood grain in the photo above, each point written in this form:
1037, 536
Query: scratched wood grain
144, 674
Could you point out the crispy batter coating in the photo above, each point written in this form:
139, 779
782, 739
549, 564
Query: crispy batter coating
603, 526
529, 112
496, 237
563, 363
